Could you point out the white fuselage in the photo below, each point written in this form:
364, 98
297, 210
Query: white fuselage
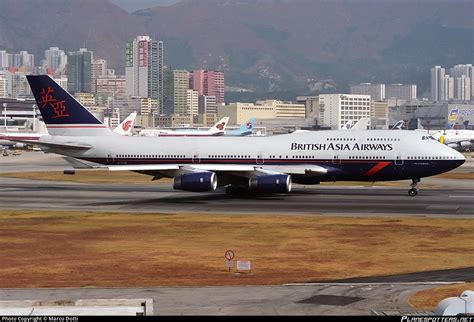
346, 150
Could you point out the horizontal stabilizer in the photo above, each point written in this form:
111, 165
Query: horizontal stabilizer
78, 164
65, 145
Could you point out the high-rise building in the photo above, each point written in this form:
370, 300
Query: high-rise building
3, 59
207, 104
86, 99
462, 88
26, 59
54, 59
376, 91
175, 92
401, 92
98, 68
447, 92
110, 86
192, 100
438, 84
379, 114
61, 80
311, 103
209, 83
144, 68
337, 109
3, 86
80, 71
20, 86
458, 71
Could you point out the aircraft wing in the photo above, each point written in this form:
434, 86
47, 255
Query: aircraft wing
243, 170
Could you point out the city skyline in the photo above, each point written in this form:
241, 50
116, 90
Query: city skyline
289, 53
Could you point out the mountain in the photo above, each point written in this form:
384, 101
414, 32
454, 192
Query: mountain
36, 25
134, 5
299, 46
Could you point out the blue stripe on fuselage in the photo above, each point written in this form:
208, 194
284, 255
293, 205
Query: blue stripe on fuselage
338, 170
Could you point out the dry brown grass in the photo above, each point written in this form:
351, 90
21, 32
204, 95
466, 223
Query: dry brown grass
456, 175
429, 299
78, 249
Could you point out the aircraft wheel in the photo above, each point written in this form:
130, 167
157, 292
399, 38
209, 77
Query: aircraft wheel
412, 192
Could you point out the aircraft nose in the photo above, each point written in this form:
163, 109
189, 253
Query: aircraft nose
458, 158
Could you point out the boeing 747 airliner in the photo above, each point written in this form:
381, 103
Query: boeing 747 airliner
250, 164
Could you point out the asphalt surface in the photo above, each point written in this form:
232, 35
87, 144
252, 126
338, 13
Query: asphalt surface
161, 198
328, 299
437, 197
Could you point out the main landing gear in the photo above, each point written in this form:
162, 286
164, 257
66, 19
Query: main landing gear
413, 191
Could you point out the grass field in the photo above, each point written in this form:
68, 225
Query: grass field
86, 249
429, 299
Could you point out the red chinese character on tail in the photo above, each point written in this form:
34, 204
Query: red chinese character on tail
46, 97
59, 108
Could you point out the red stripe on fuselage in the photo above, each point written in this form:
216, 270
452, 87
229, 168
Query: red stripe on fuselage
76, 126
376, 168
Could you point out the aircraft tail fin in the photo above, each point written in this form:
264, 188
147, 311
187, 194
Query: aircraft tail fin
249, 125
126, 127
399, 125
347, 126
219, 127
62, 113
361, 124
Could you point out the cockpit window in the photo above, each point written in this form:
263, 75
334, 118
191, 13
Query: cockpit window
428, 137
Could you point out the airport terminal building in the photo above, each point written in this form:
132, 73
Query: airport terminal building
433, 115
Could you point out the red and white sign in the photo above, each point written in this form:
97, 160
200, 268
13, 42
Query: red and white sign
243, 266
229, 255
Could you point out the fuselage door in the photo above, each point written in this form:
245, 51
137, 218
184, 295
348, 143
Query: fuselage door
196, 158
398, 160
109, 158
336, 160
260, 159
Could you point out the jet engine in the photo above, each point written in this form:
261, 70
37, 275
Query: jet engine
196, 181
276, 183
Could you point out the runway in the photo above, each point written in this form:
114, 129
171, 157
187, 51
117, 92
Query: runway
161, 198
345, 297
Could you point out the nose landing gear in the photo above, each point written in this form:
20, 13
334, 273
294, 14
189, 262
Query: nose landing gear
413, 190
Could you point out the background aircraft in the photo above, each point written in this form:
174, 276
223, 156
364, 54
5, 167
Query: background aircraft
245, 129
217, 129
126, 127
10, 138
